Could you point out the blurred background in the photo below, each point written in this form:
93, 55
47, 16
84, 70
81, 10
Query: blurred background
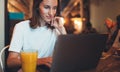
76, 14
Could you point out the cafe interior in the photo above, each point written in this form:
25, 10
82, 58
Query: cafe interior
101, 14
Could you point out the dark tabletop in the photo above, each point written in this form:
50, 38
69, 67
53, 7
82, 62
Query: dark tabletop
110, 64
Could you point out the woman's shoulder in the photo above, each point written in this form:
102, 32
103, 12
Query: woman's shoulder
24, 23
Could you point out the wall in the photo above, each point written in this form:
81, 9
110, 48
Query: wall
100, 10
1, 23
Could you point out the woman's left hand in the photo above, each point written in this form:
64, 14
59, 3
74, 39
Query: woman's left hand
48, 61
58, 23
45, 61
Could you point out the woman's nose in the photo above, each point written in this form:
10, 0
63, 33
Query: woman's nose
51, 12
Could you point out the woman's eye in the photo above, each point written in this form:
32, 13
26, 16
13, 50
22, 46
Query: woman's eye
55, 8
46, 7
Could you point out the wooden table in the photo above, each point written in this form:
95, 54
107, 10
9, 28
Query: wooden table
110, 64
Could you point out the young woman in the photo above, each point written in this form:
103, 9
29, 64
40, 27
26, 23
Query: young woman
39, 32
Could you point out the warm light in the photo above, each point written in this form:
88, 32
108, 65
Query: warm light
77, 24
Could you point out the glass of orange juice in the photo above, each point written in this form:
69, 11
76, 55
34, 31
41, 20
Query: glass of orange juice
29, 60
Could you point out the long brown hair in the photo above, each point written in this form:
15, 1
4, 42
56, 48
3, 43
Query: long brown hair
35, 19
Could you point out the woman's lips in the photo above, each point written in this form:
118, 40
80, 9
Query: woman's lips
49, 17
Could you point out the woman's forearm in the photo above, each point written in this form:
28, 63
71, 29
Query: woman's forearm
62, 30
13, 62
13, 59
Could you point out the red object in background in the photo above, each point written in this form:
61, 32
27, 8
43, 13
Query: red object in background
109, 23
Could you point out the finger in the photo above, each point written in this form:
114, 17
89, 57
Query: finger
60, 20
52, 22
48, 64
57, 19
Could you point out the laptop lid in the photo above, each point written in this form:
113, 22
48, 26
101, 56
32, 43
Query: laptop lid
74, 53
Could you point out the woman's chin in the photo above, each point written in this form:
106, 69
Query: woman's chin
48, 21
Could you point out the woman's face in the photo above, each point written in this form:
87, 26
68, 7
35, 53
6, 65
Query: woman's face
47, 9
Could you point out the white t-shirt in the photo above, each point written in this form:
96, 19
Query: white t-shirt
42, 38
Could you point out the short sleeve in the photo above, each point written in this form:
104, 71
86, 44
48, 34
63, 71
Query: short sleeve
17, 38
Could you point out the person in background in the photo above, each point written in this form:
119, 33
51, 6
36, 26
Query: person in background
40, 31
112, 32
115, 38
89, 28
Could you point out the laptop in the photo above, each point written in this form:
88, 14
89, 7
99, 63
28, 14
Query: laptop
74, 53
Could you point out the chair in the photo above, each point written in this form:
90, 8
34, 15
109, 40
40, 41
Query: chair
1, 58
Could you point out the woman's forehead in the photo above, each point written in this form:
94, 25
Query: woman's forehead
50, 2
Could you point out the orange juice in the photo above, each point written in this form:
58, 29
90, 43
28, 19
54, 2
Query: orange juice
29, 61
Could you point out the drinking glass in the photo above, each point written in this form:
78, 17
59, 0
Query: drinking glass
29, 60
